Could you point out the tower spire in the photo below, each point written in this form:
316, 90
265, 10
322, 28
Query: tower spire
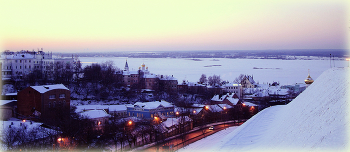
126, 68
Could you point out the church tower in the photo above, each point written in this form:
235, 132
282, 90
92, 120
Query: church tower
126, 68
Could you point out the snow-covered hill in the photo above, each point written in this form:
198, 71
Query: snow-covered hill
317, 120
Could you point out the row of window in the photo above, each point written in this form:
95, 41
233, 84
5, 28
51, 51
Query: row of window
25, 61
231, 87
53, 96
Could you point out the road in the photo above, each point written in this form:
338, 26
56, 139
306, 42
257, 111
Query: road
189, 138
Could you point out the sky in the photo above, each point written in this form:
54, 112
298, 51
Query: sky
158, 25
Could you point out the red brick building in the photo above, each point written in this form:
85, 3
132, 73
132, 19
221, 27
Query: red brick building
48, 103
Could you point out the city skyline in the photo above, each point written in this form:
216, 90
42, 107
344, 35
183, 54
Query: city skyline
87, 26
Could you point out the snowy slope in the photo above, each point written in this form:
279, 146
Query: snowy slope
317, 120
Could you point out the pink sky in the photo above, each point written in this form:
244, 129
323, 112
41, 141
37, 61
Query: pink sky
159, 26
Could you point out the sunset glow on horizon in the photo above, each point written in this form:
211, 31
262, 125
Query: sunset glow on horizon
88, 26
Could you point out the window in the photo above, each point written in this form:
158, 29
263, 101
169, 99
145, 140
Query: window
62, 95
52, 96
54, 104
49, 104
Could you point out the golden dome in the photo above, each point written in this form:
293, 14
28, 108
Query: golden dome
143, 65
308, 80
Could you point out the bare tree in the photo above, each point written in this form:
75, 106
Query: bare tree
239, 78
203, 79
214, 80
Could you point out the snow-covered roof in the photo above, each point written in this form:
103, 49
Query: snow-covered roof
117, 108
152, 105
195, 84
130, 72
11, 94
228, 96
45, 88
94, 114
249, 104
149, 76
3, 102
28, 126
216, 98
18, 56
82, 108
167, 77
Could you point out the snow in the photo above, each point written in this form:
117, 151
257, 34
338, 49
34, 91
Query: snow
152, 105
3, 102
94, 114
45, 88
100, 107
175, 121
317, 120
249, 104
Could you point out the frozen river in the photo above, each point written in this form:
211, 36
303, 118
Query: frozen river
263, 70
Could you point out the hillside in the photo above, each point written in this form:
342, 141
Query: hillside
317, 120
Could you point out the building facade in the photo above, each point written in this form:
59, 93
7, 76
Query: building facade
233, 88
150, 109
19, 64
48, 103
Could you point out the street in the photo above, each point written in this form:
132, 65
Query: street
181, 141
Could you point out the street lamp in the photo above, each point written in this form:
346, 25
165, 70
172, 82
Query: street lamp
130, 122
207, 107
348, 59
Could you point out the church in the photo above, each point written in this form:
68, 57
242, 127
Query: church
143, 79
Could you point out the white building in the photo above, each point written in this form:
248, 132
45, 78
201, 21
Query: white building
19, 64
233, 88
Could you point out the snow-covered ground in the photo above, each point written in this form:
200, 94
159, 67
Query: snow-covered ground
317, 120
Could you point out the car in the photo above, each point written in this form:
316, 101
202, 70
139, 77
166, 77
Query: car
211, 128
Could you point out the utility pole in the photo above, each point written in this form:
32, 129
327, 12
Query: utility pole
330, 60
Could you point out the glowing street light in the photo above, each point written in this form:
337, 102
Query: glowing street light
207, 107
130, 122
177, 113
224, 108
194, 111
243, 104
59, 139
23, 120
